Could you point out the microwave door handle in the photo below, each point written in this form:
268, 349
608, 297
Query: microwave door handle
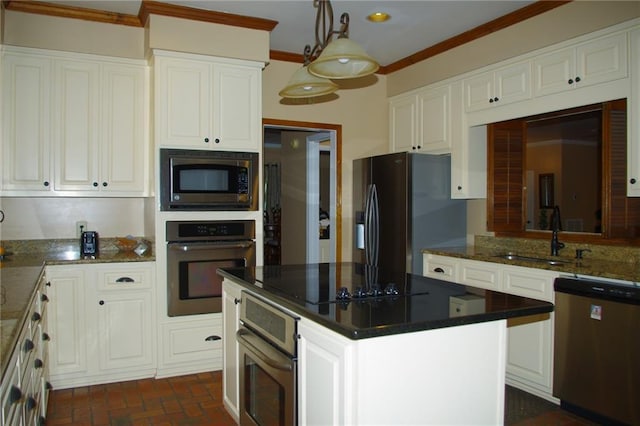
217, 246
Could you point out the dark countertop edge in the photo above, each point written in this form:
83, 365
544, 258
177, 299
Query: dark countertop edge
590, 267
354, 334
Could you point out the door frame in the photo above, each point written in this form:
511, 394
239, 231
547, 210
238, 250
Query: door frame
336, 129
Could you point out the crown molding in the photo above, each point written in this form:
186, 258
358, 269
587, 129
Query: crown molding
50, 9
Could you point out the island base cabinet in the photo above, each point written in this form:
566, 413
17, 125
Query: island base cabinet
453, 375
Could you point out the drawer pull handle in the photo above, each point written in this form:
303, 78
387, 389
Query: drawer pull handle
35, 317
212, 338
125, 280
439, 270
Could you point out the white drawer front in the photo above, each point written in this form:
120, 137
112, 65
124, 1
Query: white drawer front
187, 342
125, 277
441, 267
480, 274
529, 282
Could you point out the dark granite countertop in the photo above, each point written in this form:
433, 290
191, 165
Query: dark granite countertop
20, 271
422, 303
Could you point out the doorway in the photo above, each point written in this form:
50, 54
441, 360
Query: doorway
302, 187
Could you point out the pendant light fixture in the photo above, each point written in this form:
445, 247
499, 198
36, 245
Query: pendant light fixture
338, 59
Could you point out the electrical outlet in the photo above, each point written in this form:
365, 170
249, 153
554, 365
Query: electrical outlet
81, 226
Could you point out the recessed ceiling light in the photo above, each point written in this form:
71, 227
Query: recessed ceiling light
379, 17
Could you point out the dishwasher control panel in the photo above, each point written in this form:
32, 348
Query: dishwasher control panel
619, 291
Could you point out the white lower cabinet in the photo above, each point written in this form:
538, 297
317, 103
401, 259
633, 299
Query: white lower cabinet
24, 388
191, 345
231, 294
102, 323
530, 339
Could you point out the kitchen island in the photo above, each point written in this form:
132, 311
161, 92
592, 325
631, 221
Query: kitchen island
422, 351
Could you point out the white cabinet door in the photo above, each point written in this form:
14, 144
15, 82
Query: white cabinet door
26, 147
124, 329
124, 156
67, 321
421, 121
205, 103
183, 102
231, 294
480, 274
237, 116
403, 123
633, 143
498, 87
434, 120
76, 124
324, 381
590, 63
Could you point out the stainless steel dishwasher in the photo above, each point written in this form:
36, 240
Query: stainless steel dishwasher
597, 349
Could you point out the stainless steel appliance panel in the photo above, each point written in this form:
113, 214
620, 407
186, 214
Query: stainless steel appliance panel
414, 210
597, 351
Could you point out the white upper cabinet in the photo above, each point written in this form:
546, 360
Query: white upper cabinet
593, 62
207, 103
498, 87
421, 121
75, 125
26, 132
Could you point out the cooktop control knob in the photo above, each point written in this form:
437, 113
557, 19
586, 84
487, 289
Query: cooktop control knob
359, 292
391, 290
343, 294
376, 291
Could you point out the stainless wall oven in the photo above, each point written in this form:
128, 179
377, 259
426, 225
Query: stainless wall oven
267, 348
195, 251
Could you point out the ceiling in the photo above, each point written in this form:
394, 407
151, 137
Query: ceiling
414, 25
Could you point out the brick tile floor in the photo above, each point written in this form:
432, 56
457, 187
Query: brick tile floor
190, 400
196, 399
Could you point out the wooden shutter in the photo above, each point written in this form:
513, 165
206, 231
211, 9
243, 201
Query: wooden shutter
505, 204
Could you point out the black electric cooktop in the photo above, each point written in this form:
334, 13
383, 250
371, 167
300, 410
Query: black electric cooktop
361, 302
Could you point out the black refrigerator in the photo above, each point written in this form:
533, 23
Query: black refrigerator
402, 204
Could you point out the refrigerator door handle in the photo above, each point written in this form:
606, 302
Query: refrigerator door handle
371, 218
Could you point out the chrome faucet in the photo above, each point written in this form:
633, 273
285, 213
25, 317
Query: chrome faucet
555, 227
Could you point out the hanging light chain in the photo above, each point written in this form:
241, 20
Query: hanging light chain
324, 30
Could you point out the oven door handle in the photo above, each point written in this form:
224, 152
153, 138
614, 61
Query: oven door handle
263, 350
209, 246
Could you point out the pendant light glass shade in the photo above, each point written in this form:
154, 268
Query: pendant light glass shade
343, 58
305, 85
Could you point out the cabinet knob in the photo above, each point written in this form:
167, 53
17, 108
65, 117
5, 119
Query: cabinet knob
490, 100
633, 181
236, 301
570, 81
459, 188
38, 363
95, 184
48, 386
31, 403
101, 302
44, 297
212, 338
577, 79
105, 184
48, 284
206, 140
28, 345
46, 337
15, 395
217, 140
36, 317
419, 147
496, 99
46, 183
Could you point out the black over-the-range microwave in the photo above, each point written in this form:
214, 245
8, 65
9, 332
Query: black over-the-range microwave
208, 180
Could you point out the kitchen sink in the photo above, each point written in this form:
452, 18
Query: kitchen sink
520, 258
